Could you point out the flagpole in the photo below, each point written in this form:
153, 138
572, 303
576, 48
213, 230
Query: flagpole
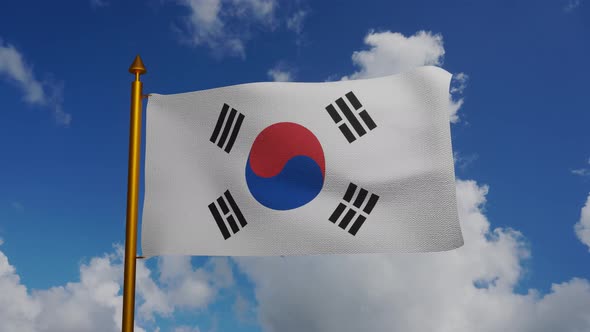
137, 68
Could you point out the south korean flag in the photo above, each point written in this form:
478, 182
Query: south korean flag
343, 167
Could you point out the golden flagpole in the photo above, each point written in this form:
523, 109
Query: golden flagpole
137, 68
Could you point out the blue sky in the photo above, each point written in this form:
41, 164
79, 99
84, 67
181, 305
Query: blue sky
520, 138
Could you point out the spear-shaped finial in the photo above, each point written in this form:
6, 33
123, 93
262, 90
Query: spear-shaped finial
137, 66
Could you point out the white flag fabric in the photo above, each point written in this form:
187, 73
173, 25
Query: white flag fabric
282, 168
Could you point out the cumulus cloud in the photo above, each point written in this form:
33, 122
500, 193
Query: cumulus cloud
583, 171
94, 302
295, 23
14, 69
461, 80
223, 25
582, 227
468, 289
244, 310
392, 52
463, 161
458, 85
280, 75
180, 285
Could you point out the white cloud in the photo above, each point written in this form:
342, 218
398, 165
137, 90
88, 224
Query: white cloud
462, 161
262, 9
182, 286
458, 85
17, 309
392, 52
295, 22
461, 83
222, 25
13, 67
16, 70
583, 171
222, 272
244, 310
572, 5
187, 287
280, 75
94, 302
582, 227
468, 289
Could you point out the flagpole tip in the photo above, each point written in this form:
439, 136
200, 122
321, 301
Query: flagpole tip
137, 66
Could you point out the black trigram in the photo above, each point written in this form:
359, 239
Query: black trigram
224, 127
225, 209
351, 117
354, 207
